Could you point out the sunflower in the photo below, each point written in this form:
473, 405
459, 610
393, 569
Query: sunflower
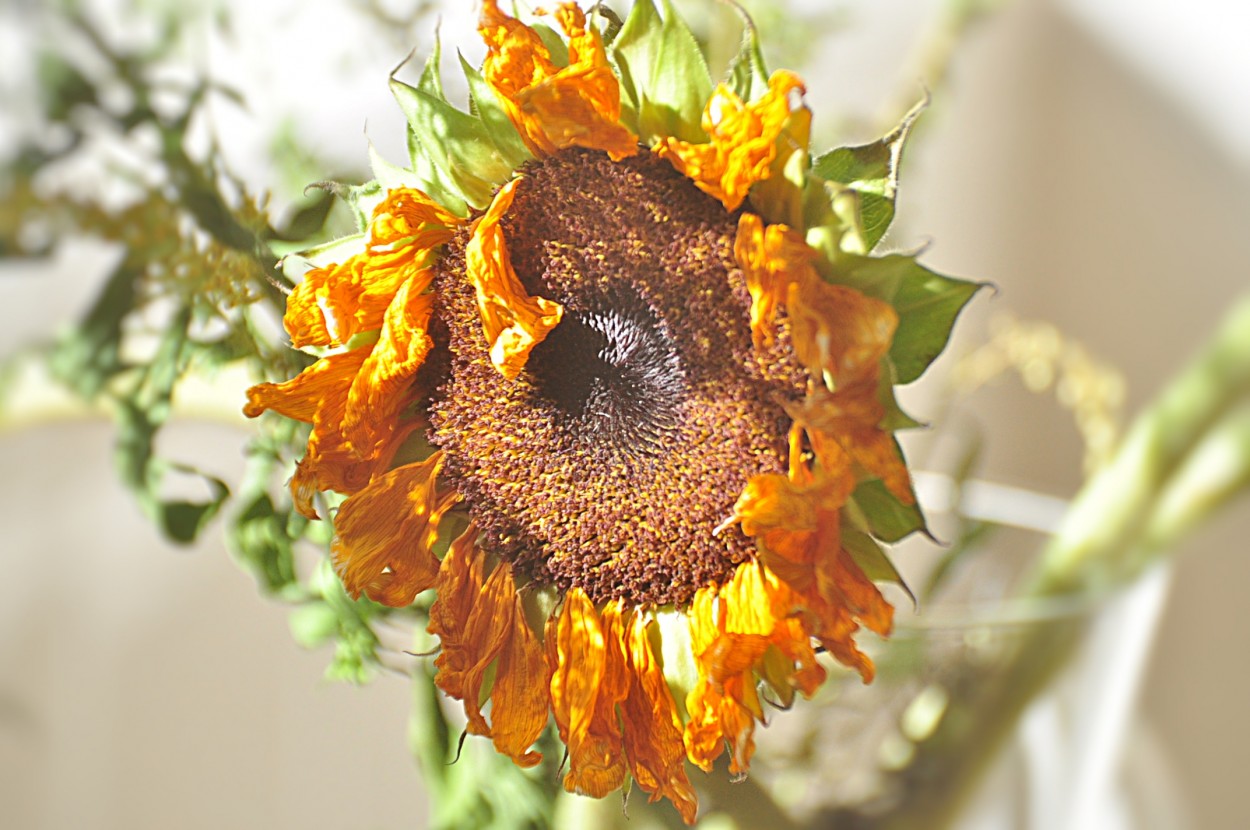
610, 368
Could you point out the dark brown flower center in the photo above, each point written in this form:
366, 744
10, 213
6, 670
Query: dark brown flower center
610, 460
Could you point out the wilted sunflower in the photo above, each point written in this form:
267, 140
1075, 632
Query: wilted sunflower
621, 325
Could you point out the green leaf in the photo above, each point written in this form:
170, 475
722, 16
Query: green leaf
927, 305
748, 74
90, 354
871, 172
663, 74
886, 517
313, 624
181, 520
872, 559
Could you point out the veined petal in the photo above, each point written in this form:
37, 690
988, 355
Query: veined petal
385, 534
588, 681
333, 304
743, 140
578, 105
382, 387
844, 426
513, 321
317, 387
651, 726
478, 620
838, 330
772, 258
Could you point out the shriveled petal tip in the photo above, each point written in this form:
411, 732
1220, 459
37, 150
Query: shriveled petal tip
479, 621
837, 329
385, 534
578, 105
382, 387
771, 258
331, 305
588, 682
513, 321
743, 141
651, 726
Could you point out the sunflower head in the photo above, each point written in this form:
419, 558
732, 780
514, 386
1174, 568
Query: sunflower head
616, 340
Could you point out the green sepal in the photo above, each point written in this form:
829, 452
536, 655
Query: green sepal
883, 514
499, 127
927, 305
294, 266
663, 74
748, 74
873, 560
455, 144
871, 172
557, 49
776, 669
782, 196
431, 80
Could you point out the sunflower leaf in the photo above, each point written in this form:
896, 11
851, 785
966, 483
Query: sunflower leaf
888, 519
871, 171
927, 305
663, 74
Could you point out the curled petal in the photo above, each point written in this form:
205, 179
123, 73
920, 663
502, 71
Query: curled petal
382, 387
513, 321
837, 329
385, 534
552, 107
844, 426
318, 387
651, 726
479, 621
588, 681
743, 140
332, 305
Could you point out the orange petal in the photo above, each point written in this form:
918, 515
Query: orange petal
588, 681
845, 425
386, 531
479, 621
651, 726
552, 107
331, 305
837, 329
743, 140
513, 321
382, 387
312, 390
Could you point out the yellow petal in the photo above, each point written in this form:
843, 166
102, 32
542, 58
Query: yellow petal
385, 534
512, 320
552, 107
743, 141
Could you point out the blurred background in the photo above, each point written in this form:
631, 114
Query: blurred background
1089, 157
